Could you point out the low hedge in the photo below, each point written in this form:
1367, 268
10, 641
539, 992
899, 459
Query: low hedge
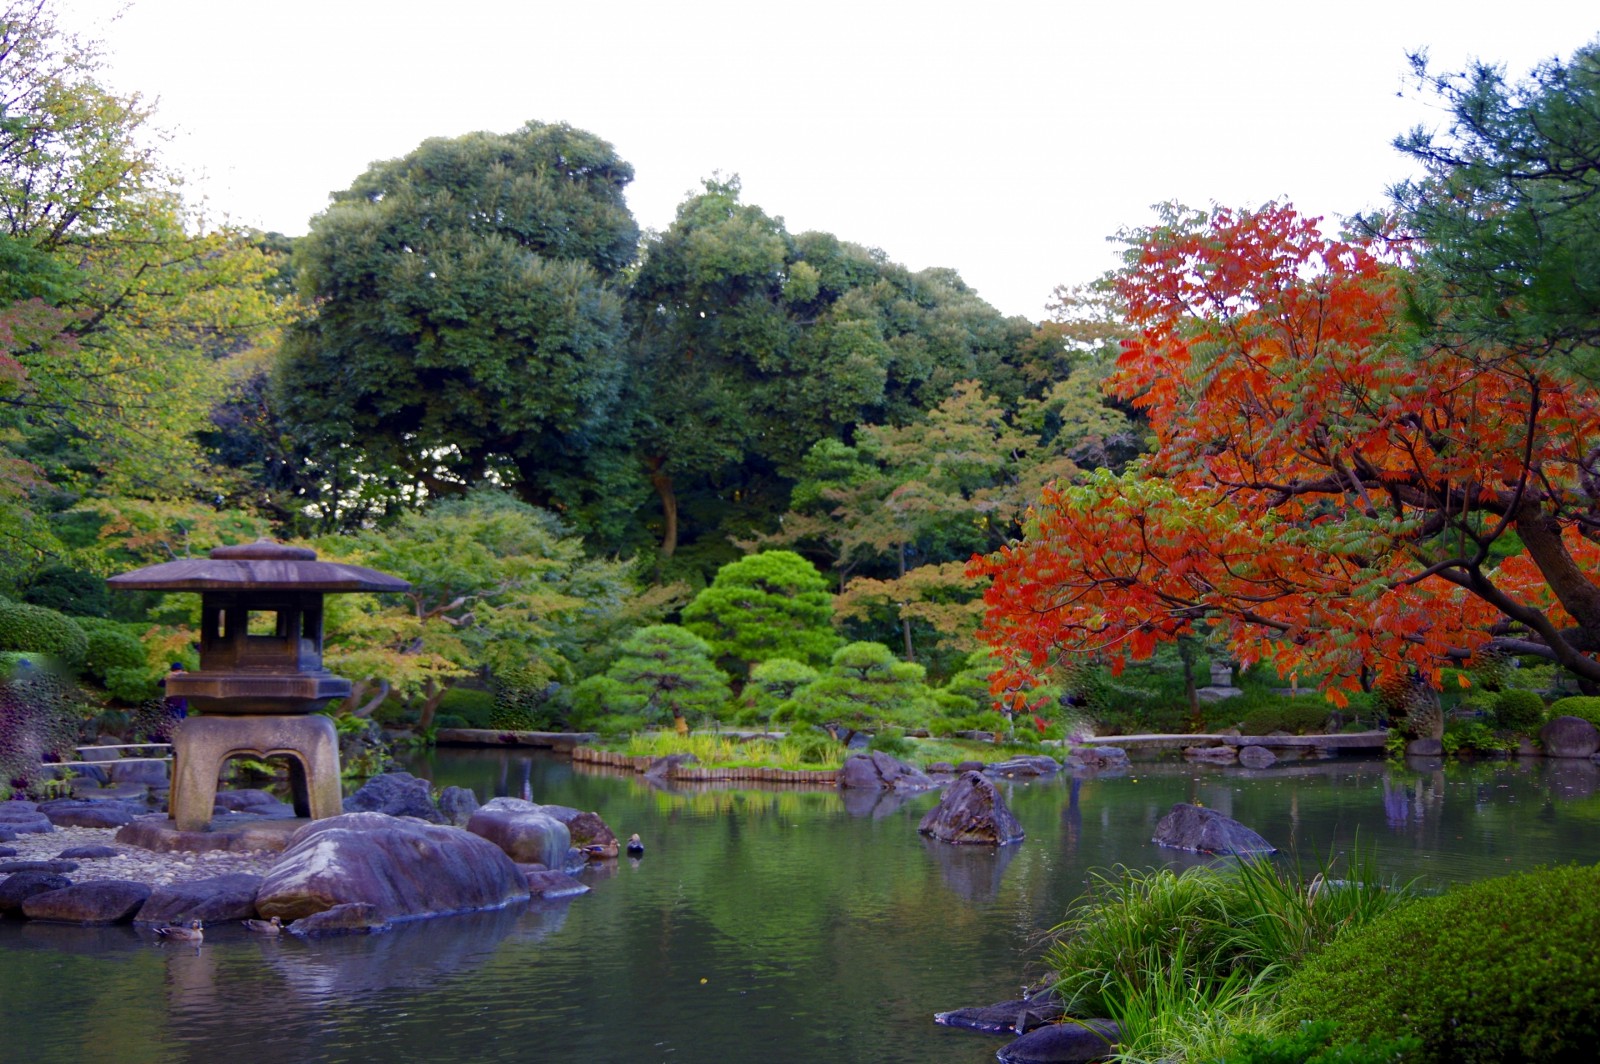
37, 630
1585, 706
1519, 711
1504, 970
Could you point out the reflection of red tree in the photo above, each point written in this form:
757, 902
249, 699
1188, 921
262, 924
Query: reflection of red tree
1322, 495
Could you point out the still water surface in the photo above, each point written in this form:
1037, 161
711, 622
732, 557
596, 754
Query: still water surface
768, 926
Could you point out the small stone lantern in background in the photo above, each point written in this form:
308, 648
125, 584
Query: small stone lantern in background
261, 679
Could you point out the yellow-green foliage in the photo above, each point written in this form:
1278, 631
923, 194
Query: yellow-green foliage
1585, 706
1500, 971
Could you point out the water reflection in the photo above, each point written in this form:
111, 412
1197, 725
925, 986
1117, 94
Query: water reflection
780, 925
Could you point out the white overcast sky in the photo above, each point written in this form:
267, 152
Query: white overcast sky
1003, 139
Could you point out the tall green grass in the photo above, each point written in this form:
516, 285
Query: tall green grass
1184, 960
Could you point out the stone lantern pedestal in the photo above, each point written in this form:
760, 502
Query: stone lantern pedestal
261, 679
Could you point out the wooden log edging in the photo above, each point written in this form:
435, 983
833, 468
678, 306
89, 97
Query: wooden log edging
695, 774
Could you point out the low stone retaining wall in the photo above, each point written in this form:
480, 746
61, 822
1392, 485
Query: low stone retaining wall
690, 773
490, 737
1287, 747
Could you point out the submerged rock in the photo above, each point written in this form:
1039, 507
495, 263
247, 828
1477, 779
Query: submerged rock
401, 866
1097, 757
972, 812
351, 918
1073, 1042
1007, 1017
1257, 757
1201, 830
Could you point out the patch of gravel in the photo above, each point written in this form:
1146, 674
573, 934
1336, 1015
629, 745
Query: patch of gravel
134, 863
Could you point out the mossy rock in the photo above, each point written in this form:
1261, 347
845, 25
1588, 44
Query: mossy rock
1505, 970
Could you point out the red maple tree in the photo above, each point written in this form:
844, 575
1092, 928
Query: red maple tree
1325, 494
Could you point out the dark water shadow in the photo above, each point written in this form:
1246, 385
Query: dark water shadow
972, 873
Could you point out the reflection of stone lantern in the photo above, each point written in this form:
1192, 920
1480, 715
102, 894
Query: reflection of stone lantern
261, 677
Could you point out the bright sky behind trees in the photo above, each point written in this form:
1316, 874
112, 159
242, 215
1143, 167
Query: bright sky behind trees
1005, 140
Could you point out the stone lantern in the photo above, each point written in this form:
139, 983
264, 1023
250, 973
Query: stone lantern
261, 678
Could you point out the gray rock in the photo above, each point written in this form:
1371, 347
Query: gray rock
59, 868
1424, 748
663, 767
86, 853
213, 901
100, 753
589, 833
20, 886
7, 835
878, 771
1569, 737
79, 813
1007, 1017
1077, 1042
1098, 757
397, 794
551, 884
971, 766
941, 768
972, 812
402, 866
351, 918
1027, 765
457, 804
1201, 830
24, 821
1257, 757
523, 831
1211, 755
100, 901
8, 851
146, 772
245, 800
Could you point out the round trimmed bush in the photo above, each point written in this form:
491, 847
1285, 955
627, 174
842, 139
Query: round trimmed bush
1585, 706
1504, 970
38, 630
1519, 711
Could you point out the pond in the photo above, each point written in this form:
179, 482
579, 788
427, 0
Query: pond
761, 925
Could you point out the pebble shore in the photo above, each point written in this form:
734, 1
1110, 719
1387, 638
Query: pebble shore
133, 862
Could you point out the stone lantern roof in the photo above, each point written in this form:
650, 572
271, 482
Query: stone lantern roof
262, 565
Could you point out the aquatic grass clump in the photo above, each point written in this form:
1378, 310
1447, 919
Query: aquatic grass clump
1179, 957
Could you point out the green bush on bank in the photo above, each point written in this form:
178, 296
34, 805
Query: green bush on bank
1503, 970
1518, 711
1585, 706
37, 630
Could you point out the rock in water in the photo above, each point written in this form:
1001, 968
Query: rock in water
524, 831
395, 793
102, 901
403, 868
457, 804
1201, 830
877, 771
1074, 1042
212, 901
18, 887
1569, 737
1019, 1016
972, 813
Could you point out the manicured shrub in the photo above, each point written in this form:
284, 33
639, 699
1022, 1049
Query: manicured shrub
1318, 1043
1298, 715
474, 707
1585, 706
1518, 711
1500, 971
38, 630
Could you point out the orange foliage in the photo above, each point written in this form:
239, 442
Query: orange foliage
1324, 496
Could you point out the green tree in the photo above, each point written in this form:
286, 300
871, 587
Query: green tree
497, 586
1509, 207
467, 322
863, 688
769, 605
662, 669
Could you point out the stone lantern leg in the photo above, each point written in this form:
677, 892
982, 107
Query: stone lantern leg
261, 679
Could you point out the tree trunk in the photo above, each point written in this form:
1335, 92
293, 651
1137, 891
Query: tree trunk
430, 705
662, 482
905, 622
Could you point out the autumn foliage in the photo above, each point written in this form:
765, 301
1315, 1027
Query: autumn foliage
1326, 494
